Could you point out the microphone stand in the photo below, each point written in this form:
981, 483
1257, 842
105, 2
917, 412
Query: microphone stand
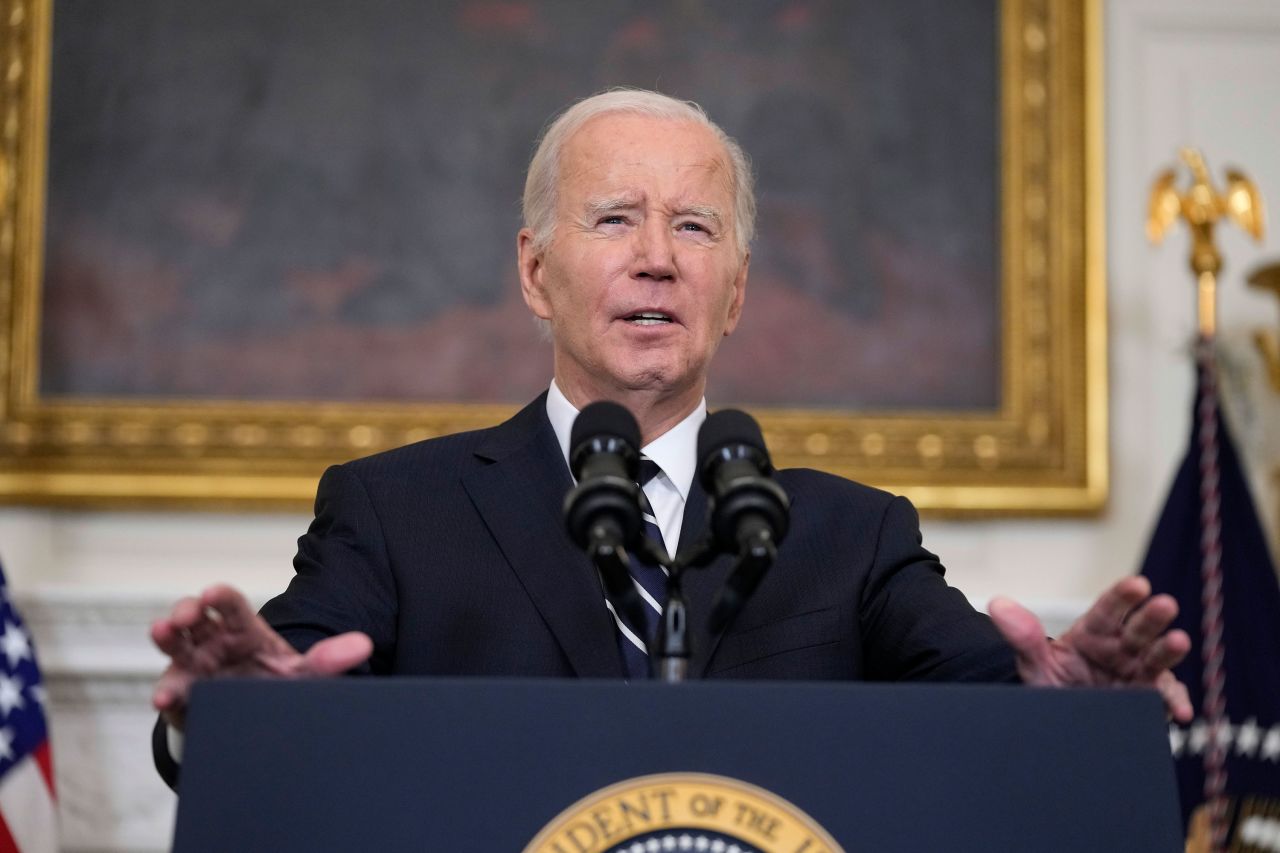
757, 551
614, 566
674, 646
669, 660
669, 657
756, 554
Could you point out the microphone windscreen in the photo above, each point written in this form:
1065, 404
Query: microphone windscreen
725, 427
604, 419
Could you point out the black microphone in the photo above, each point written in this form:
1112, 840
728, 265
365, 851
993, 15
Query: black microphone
750, 512
603, 456
748, 507
602, 512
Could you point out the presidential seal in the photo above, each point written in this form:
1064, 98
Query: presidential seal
683, 812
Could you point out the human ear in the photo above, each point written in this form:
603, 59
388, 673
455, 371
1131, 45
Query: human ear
739, 295
532, 272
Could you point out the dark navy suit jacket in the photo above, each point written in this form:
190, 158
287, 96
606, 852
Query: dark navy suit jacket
452, 556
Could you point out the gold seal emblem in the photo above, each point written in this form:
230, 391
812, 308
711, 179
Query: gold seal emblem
694, 812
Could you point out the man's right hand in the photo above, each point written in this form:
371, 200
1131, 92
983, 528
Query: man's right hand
219, 634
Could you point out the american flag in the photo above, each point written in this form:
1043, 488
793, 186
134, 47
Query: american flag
27, 808
1210, 517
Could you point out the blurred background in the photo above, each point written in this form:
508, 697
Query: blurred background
1176, 72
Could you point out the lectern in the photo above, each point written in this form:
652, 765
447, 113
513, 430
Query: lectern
359, 764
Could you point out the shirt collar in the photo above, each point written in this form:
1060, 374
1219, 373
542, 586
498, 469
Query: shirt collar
675, 450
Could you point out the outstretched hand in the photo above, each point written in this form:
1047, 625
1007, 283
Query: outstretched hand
1123, 639
219, 634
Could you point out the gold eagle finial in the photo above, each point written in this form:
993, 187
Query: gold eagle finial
1202, 206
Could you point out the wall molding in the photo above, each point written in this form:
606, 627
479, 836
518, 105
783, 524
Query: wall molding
82, 635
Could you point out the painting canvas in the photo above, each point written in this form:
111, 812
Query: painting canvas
246, 201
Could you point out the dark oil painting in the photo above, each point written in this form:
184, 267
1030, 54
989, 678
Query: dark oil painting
318, 200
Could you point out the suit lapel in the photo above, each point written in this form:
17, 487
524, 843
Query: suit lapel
701, 585
519, 496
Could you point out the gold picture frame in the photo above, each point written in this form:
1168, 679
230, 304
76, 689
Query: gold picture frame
1043, 450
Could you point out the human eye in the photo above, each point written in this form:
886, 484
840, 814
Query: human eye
696, 229
611, 220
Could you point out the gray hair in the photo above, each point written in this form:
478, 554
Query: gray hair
540, 184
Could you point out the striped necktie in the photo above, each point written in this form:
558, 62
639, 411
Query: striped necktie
651, 583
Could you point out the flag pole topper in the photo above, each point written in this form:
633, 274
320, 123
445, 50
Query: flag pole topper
1202, 206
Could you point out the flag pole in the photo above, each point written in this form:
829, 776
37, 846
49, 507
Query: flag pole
1207, 304
1201, 206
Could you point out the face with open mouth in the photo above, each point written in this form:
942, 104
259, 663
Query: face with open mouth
643, 276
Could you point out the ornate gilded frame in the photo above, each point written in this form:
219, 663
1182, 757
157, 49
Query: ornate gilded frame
1043, 451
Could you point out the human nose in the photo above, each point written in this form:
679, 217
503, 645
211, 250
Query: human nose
654, 256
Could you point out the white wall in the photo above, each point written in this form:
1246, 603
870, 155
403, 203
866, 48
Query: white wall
1178, 72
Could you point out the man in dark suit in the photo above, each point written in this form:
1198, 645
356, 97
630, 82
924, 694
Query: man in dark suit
449, 556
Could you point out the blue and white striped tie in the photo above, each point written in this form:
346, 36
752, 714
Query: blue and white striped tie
651, 583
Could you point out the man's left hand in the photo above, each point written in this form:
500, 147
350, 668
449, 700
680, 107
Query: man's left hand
1122, 640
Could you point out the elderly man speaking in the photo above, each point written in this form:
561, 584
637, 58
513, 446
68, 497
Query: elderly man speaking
449, 557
